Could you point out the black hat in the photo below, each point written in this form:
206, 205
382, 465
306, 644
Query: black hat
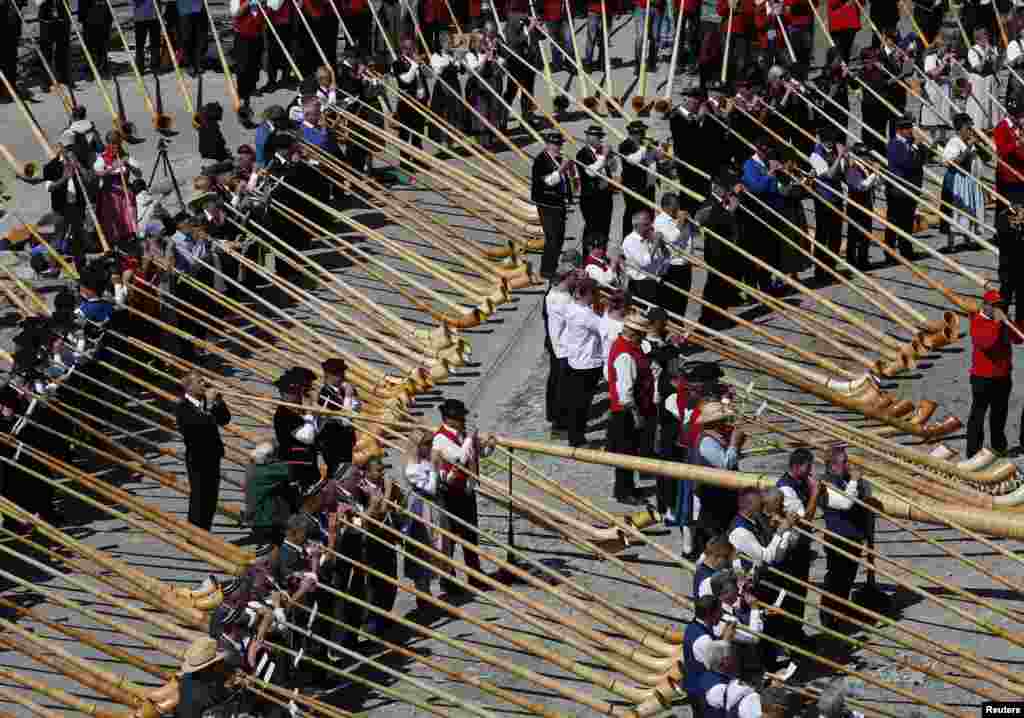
218, 168
657, 314
595, 131
903, 123
830, 134
315, 488
704, 371
94, 277
727, 178
694, 91
554, 138
9, 396
636, 127
334, 366
453, 409
294, 378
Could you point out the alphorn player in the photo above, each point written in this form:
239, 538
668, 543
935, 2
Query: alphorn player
721, 692
204, 679
596, 195
631, 391
409, 73
991, 373
199, 420
295, 432
455, 455
800, 494
1010, 183
337, 437
550, 191
639, 159
698, 637
556, 301
847, 518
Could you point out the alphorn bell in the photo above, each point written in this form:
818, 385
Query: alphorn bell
162, 122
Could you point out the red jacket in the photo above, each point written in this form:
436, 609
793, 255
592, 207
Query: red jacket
742, 17
553, 10
991, 347
249, 24
282, 16
643, 387
797, 13
843, 15
642, 4
352, 8
1011, 151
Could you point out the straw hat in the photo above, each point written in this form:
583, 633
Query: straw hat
201, 654
713, 412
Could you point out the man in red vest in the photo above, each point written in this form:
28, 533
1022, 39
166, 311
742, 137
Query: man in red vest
455, 455
631, 390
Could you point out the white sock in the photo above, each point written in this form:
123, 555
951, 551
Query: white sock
687, 539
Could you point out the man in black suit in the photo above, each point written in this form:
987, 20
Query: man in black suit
337, 437
199, 421
550, 191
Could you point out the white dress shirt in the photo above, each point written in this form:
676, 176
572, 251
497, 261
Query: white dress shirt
841, 500
422, 476
700, 649
604, 277
745, 632
725, 696
610, 330
582, 337
747, 546
306, 433
557, 302
644, 260
791, 501
680, 240
625, 378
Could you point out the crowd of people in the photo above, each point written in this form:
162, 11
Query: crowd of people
774, 141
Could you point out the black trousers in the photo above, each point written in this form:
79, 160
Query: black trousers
624, 438
876, 116
993, 396
840, 573
844, 41
858, 243
552, 219
580, 387
828, 233
797, 565
463, 505
411, 126
901, 211
681, 276
597, 216
555, 409
384, 558
1011, 279
276, 60
326, 31
147, 31
55, 41
97, 40
204, 488
249, 57
192, 39
352, 582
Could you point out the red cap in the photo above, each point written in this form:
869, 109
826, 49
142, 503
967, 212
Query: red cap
992, 296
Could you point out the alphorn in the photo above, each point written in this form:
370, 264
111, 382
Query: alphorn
28, 170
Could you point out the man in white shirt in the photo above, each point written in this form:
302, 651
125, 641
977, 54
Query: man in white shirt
585, 357
647, 257
677, 232
556, 301
721, 690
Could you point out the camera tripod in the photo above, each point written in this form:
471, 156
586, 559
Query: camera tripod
162, 161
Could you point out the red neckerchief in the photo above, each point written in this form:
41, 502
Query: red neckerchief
109, 155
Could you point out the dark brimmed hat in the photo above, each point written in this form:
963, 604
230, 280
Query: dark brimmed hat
453, 409
902, 123
245, 150
657, 314
595, 131
554, 138
704, 371
294, 378
334, 366
636, 126
694, 91
9, 397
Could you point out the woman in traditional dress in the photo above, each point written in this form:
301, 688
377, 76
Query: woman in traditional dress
422, 479
481, 64
982, 60
115, 204
963, 155
935, 113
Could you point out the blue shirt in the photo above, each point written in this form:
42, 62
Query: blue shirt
758, 182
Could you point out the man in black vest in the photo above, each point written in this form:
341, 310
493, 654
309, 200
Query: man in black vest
337, 436
637, 161
411, 122
549, 190
800, 491
847, 518
199, 420
596, 197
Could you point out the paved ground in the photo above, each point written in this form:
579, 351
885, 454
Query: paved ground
505, 388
